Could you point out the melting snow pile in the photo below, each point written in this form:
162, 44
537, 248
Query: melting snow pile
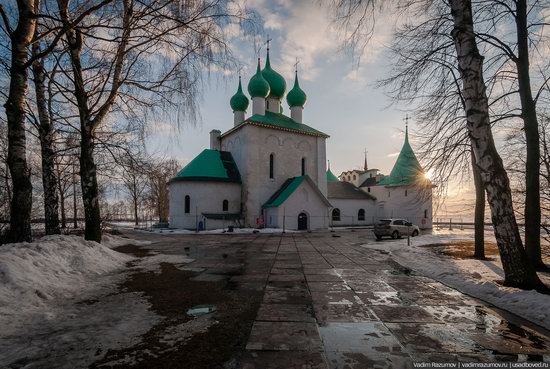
36, 274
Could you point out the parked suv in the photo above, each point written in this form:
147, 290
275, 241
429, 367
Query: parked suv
395, 228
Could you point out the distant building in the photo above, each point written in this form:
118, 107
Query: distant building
270, 170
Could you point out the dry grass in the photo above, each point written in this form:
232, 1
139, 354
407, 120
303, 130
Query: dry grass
463, 249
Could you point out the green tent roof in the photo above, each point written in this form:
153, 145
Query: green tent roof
331, 177
280, 121
210, 165
284, 192
407, 170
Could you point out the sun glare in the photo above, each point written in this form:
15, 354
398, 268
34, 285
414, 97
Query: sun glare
429, 174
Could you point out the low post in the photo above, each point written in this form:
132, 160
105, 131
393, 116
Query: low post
284, 219
196, 220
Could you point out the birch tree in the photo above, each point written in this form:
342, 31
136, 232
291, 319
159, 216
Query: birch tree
20, 39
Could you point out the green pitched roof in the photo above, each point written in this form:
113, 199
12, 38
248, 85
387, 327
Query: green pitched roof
407, 170
284, 192
210, 165
331, 177
280, 121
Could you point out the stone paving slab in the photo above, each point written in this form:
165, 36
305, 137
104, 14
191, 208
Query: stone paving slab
286, 296
365, 337
427, 337
285, 313
284, 360
358, 360
284, 336
403, 314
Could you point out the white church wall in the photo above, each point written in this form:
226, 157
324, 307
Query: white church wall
251, 147
404, 202
205, 197
303, 200
349, 211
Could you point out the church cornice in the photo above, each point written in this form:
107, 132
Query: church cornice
258, 124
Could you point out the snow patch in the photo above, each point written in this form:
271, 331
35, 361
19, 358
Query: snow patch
59, 266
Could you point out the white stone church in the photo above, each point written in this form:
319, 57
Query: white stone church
269, 170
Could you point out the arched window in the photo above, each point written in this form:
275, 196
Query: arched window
425, 213
271, 165
354, 177
389, 193
361, 214
187, 204
303, 166
368, 189
336, 214
225, 205
406, 193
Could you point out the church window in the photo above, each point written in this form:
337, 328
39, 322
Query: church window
336, 214
271, 165
389, 193
303, 166
406, 193
354, 177
361, 214
225, 205
267, 104
187, 204
425, 213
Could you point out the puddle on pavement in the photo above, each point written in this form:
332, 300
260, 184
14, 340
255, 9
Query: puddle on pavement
200, 310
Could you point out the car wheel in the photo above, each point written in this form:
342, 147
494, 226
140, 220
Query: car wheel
378, 237
415, 233
395, 235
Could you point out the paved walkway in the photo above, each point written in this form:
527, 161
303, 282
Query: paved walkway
329, 303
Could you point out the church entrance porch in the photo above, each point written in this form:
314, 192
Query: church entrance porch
302, 222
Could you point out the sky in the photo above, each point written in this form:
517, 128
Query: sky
342, 98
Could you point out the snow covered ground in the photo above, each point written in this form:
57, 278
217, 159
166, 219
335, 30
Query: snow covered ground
474, 277
126, 225
57, 296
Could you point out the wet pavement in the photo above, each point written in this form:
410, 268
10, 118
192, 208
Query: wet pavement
330, 303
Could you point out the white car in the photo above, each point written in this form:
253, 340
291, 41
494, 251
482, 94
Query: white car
395, 228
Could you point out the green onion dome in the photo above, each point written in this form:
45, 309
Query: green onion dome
258, 86
277, 84
239, 101
296, 96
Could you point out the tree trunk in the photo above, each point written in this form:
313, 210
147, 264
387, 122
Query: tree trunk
479, 216
518, 272
90, 189
45, 134
136, 216
532, 140
21, 203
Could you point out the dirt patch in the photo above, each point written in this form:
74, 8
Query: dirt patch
210, 342
134, 250
463, 249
